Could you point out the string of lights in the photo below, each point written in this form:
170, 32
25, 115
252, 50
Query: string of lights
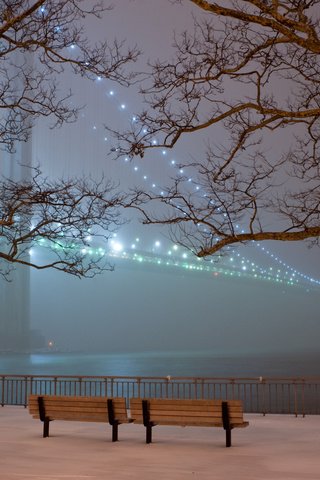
165, 254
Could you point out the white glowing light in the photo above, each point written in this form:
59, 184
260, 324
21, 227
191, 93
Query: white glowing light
157, 244
116, 246
122, 106
111, 93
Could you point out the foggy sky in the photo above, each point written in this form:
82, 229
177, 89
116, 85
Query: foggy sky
133, 309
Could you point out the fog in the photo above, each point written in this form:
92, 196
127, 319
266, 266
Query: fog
137, 308
134, 309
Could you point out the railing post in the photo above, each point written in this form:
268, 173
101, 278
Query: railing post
2, 390
139, 386
263, 383
295, 399
111, 387
25, 392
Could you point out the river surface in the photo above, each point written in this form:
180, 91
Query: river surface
190, 364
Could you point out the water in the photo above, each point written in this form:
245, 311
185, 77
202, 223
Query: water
189, 364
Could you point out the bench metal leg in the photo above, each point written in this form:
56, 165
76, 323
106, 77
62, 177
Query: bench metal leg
148, 433
46, 422
226, 422
228, 438
115, 432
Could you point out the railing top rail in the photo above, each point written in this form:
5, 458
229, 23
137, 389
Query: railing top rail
169, 378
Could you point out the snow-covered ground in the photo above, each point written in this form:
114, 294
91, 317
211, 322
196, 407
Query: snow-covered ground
273, 447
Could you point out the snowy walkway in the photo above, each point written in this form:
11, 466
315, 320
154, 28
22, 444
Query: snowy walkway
273, 447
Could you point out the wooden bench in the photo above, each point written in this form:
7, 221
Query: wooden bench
199, 413
82, 409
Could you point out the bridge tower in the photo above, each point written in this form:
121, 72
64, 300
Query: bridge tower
15, 293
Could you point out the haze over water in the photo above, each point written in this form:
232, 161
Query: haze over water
190, 364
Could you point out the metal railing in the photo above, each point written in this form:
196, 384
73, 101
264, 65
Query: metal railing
297, 396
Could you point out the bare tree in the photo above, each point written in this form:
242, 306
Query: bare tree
61, 216
248, 76
39, 40
53, 32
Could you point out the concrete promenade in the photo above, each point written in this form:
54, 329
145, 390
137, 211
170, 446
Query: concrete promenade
274, 447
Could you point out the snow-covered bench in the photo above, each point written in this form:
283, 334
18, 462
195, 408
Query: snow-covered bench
81, 409
199, 413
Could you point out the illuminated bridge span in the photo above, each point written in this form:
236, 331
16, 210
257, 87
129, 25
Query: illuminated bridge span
267, 268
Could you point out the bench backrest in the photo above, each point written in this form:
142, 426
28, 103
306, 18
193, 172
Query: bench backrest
90, 409
187, 412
